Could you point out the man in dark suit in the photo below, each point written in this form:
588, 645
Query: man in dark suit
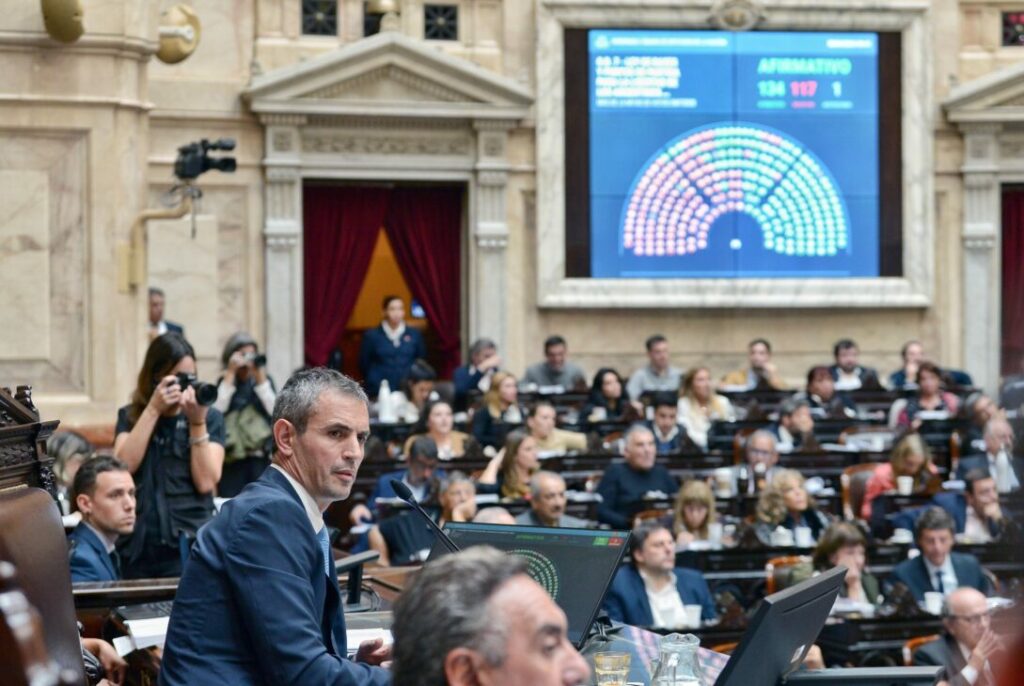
104, 493
998, 459
623, 486
421, 476
976, 513
938, 568
968, 643
652, 591
158, 326
258, 602
847, 372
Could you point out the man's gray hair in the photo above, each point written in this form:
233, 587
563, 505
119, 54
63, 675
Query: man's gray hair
454, 479
994, 424
537, 479
633, 429
448, 607
298, 399
480, 345
760, 433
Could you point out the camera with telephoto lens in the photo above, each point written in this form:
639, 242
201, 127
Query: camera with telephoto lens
257, 359
206, 393
194, 159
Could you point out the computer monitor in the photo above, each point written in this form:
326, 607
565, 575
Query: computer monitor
575, 566
781, 632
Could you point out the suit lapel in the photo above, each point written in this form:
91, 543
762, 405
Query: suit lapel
641, 593
333, 615
93, 541
922, 575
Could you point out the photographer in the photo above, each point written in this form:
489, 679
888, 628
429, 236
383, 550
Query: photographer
245, 396
174, 447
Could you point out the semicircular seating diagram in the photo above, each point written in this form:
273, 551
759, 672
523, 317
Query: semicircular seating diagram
738, 167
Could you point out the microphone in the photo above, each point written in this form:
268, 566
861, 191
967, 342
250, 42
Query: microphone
403, 492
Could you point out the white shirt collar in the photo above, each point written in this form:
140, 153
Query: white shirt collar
394, 335
316, 517
946, 569
104, 539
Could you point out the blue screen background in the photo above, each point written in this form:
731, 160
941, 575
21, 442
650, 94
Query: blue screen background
835, 121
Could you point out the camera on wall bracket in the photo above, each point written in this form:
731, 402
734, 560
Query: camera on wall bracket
194, 159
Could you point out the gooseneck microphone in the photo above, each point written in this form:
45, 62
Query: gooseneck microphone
403, 492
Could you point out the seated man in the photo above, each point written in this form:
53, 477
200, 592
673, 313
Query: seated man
476, 617
967, 644
761, 372
669, 435
555, 370
652, 591
541, 423
258, 602
821, 396
761, 458
976, 512
998, 459
847, 372
419, 476
937, 568
547, 504
624, 486
104, 492
981, 409
475, 376
795, 428
659, 374
406, 539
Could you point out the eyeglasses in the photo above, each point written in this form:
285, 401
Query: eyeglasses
979, 618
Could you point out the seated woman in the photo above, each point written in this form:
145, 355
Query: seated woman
785, 502
500, 411
930, 397
694, 512
417, 391
821, 396
403, 539
437, 421
699, 405
508, 474
842, 543
910, 457
174, 448
609, 399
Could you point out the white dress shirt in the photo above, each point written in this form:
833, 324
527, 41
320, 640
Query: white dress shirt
316, 517
949, 580
975, 528
667, 609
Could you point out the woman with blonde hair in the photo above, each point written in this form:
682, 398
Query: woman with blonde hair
786, 502
500, 411
699, 405
911, 457
694, 512
508, 473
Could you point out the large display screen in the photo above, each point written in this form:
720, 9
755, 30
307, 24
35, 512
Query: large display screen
719, 154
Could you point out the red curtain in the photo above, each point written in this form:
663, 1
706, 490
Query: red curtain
424, 226
341, 227
1013, 280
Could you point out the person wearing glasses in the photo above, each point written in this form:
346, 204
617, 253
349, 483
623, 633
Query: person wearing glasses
762, 455
968, 644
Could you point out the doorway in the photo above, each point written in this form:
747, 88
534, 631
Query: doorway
1012, 285
363, 242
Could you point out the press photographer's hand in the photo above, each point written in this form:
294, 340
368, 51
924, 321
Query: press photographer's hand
195, 412
166, 395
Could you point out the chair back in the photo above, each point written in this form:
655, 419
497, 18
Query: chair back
854, 483
774, 571
656, 514
32, 539
913, 644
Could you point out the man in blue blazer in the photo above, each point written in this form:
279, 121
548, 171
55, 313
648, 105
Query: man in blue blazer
652, 591
258, 602
938, 568
977, 512
104, 493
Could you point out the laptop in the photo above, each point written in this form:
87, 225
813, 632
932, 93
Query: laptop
575, 566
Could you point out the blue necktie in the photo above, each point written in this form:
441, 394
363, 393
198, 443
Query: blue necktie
938, 582
325, 548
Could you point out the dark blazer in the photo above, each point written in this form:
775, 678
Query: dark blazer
914, 574
383, 488
380, 359
89, 558
976, 461
626, 600
956, 505
174, 328
942, 652
254, 605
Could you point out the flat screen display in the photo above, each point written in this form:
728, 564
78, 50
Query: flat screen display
733, 155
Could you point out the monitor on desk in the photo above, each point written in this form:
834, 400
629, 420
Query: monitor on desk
781, 632
575, 566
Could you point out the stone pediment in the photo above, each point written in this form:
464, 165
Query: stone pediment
389, 74
993, 98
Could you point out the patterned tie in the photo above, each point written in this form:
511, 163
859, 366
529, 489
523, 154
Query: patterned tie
325, 548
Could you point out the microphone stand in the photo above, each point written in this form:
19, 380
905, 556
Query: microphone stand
403, 492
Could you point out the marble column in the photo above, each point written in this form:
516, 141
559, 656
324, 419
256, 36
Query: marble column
282, 233
488, 292
981, 284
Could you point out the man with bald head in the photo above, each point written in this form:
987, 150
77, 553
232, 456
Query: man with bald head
998, 459
626, 486
547, 504
967, 645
